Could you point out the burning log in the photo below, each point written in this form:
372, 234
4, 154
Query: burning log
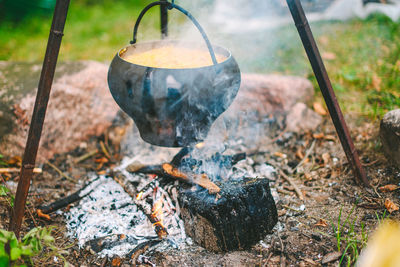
242, 214
169, 171
199, 179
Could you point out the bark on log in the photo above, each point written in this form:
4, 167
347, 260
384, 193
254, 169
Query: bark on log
238, 217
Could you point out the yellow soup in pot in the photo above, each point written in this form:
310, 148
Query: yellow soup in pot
173, 57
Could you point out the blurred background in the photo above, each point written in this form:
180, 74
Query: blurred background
359, 40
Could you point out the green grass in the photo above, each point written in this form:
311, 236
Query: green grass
365, 71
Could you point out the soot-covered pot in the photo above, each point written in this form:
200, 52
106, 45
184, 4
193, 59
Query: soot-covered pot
173, 107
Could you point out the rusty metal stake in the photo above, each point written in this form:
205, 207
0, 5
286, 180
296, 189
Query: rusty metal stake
39, 112
326, 88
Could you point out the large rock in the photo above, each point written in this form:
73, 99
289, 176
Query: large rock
271, 94
390, 135
80, 105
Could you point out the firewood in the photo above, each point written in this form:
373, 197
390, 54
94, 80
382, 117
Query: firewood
241, 214
199, 179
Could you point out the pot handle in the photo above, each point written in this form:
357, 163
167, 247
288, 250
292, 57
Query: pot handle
184, 11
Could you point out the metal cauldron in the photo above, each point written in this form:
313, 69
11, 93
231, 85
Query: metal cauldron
173, 107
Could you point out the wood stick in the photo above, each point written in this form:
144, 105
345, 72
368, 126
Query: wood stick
290, 181
60, 172
104, 150
64, 202
176, 160
291, 171
86, 156
172, 172
199, 179
142, 204
11, 170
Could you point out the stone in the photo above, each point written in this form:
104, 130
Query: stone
239, 216
302, 119
390, 136
80, 105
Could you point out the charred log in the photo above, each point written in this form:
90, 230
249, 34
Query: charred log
239, 216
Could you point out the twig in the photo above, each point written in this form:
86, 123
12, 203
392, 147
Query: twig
290, 181
86, 156
268, 258
60, 172
10, 170
291, 171
64, 202
104, 150
370, 163
280, 239
30, 214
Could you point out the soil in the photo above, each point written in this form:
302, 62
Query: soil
304, 234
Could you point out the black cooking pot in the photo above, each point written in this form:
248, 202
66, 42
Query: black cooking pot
173, 107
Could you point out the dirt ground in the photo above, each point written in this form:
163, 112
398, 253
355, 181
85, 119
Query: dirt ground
306, 232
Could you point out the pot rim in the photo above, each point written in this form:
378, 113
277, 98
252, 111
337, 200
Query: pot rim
123, 50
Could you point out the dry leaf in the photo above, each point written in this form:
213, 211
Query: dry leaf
326, 157
101, 160
330, 137
299, 154
308, 176
318, 135
16, 160
42, 215
319, 109
390, 206
388, 188
279, 154
322, 223
116, 262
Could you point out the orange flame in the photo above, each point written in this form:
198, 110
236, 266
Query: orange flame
158, 212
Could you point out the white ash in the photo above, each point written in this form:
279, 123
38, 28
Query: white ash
109, 210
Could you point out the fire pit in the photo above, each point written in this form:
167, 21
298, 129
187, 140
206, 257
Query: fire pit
222, 211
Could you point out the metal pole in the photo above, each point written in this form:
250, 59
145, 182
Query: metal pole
164, 20
326, 88
39, 112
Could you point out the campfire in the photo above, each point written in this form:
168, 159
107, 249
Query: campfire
173, 205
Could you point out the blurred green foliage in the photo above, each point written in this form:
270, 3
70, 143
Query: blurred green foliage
17, 10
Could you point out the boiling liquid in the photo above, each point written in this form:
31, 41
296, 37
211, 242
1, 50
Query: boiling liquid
173, 57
